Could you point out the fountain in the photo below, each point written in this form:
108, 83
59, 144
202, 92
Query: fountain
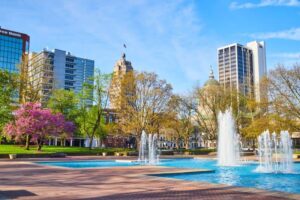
143, 148
148, 149
275, 155
228, 140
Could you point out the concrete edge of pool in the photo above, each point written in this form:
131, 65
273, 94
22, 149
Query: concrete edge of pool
181, 171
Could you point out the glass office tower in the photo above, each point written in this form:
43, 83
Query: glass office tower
241, 67
13, 48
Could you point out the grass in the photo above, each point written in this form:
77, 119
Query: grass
16, 149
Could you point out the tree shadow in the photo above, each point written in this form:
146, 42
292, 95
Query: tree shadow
14, 194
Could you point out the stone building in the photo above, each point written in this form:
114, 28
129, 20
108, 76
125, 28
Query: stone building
209, 90
121, 68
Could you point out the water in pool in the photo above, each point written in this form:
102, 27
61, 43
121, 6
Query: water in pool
244, 176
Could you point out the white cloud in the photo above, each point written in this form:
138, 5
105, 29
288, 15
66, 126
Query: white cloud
264, 3
290, 34
287, 59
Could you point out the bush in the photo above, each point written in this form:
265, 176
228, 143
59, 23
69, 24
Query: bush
201, 151
167, 152
132, 153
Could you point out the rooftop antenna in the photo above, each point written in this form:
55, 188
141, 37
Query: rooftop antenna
124, 55
211, 74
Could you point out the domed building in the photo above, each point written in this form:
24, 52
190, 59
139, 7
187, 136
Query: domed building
211, 80
208, 95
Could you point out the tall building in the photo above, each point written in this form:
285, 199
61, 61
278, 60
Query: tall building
14, 46
121, 68
59, 69
242, 67
259, 67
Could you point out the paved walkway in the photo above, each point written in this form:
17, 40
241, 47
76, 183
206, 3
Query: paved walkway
24, 180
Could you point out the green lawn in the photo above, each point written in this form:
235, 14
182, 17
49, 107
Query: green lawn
15, 149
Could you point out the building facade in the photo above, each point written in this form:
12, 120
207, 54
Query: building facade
14, 47
59, 69
242, 67
259, 67
121, 68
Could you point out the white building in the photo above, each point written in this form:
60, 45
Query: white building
259, 66
58, 69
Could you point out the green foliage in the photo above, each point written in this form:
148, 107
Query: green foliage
65, 102
92, 107
200, 151
86, 119
8, 91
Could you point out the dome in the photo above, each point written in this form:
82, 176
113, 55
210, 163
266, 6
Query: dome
211, 80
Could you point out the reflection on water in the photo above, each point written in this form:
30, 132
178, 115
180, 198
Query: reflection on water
227, 176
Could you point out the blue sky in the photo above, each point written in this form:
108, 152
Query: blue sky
177, 39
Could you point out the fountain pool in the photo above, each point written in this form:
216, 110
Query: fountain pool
242, 176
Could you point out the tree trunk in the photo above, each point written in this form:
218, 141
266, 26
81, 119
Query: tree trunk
186, 141
91, 142
27, 142
97, 124
40, 144
253, 144
178, 143
138, 141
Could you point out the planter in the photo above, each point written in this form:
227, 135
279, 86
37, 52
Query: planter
118, 154
104, 154
132, 153
12, 156
167, 152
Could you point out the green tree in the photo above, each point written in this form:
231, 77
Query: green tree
65, 102
92, 105
8, 93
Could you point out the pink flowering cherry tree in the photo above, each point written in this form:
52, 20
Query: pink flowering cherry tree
36, 124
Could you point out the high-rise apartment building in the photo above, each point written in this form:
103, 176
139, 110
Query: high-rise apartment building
59, 69
242, 67
121, 68
14, 46
259, 67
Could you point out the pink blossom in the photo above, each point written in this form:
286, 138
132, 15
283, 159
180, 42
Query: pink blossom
31, 119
